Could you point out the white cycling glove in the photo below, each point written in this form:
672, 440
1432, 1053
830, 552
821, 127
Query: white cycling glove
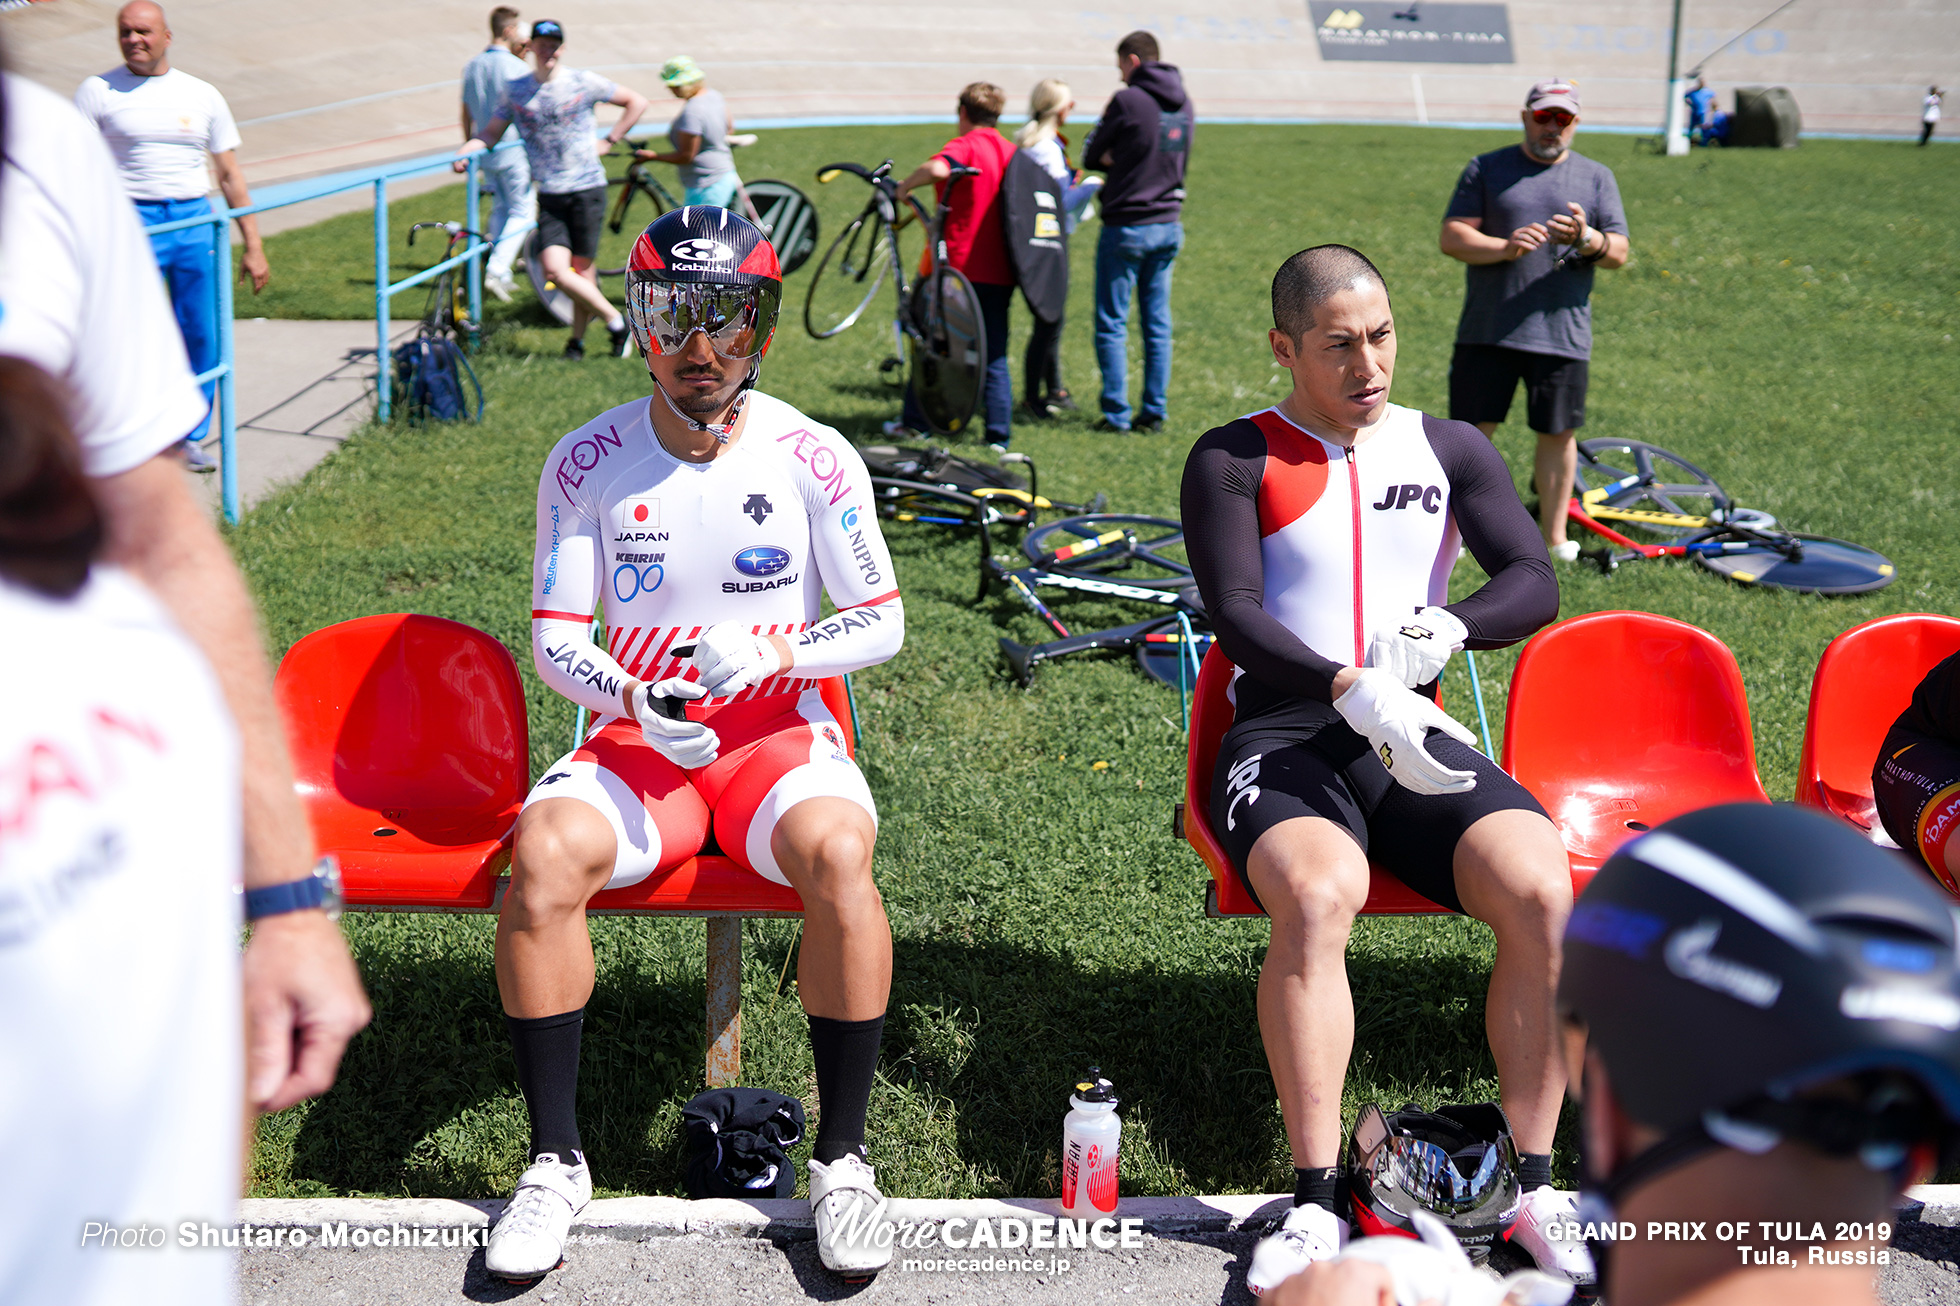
1435, 1270
689, 745
1394, 719
1414, 650
730, 658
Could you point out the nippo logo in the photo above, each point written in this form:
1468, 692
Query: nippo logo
850, 519
762, 560
699, 249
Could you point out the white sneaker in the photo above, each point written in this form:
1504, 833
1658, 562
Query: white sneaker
854, 1232
529, 1240
1565, 1259
1308, 1233
1566, 550
500, 287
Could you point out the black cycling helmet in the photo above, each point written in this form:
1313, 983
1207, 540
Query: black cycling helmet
1739, 955
703, 268
1458, 1163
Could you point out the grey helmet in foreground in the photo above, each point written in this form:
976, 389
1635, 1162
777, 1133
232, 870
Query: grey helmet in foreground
1787, 952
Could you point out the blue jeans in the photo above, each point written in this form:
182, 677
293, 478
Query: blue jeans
1129, 259
997, 399
513, 210
184, 258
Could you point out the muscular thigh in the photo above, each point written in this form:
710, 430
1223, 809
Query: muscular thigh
657, 818
775, 753
1269, 777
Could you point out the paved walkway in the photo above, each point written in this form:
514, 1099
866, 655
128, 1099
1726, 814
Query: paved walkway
303, 387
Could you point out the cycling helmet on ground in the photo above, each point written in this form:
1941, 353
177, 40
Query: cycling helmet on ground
703, 268
1781, 952
1458, 1164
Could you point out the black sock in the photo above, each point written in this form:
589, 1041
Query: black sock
546, 1050
1534, 1170
1320, 1187
846, 1053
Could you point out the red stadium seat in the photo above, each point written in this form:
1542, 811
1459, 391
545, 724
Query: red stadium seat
1619, 721
1211, 717
1863, 681
411, 753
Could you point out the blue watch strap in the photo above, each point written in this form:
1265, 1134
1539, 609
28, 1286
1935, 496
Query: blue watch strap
278, 899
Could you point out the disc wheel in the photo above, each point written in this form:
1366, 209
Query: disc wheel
1156, 560
1668, 484
787, 218
848, 277
1822, 566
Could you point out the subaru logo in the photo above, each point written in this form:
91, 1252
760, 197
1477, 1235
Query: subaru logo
762, 560
699, 249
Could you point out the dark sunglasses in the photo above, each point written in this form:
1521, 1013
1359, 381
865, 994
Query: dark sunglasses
1559, 116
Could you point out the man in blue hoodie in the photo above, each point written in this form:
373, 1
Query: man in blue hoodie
1143, 142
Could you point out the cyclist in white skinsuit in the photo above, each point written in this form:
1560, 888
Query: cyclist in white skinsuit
707, 521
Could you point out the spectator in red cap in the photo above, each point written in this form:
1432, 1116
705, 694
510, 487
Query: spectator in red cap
1532, 221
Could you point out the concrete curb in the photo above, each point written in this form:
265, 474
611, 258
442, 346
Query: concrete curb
635, 1219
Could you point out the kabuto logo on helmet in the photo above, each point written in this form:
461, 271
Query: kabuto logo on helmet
699, 249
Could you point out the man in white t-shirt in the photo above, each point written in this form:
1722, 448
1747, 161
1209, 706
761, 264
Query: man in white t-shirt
160, 123
79, 296
506, 173
552, 111
1929, 113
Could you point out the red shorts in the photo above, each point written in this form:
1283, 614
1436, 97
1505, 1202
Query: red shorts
775, 752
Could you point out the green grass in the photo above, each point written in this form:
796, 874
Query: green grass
1787, 323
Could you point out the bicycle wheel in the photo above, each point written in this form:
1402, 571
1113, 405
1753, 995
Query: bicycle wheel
556, 302
1155, 560
848, 277
1668, 485
787, 218
949, 350
1816, 565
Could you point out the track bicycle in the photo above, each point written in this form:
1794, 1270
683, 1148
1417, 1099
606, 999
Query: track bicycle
937, 319
446, 312
787, 218
1643, 488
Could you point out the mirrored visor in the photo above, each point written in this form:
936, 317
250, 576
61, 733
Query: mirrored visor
1440, 1181
738, 320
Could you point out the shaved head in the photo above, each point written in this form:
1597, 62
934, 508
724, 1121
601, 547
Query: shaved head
141, 11
1312, 277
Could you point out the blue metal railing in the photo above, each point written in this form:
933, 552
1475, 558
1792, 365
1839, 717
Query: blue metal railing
276, 197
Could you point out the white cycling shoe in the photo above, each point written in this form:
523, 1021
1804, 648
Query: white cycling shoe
854, 1232
529, 1240
1562, 1258
1308, 1233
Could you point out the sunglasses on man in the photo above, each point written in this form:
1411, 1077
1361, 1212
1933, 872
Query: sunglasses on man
1559, 116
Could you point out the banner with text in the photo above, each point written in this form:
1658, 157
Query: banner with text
1414, 32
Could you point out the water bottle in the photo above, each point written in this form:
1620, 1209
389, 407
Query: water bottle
1090, 1133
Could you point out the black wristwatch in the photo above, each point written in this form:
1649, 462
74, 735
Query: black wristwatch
320, 889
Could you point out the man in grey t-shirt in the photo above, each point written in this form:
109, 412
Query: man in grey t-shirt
1532, 221
506, 173
699, 136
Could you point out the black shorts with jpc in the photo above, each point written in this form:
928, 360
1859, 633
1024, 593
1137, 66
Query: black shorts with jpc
1299, 758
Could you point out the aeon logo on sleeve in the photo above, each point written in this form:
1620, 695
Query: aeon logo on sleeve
761, 560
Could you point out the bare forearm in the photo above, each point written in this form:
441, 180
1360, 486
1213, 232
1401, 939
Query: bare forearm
1468, 245
465, 118
1619, 250
160, 534
923, 175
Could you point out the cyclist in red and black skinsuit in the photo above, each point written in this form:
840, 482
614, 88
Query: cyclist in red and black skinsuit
1322, 533
1916, 780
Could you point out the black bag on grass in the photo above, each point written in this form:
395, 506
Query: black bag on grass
738, 1142
430, 371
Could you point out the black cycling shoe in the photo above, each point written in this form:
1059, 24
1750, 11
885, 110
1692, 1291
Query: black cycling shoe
1148, 424
575, 350
619, 343
1060, 401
